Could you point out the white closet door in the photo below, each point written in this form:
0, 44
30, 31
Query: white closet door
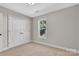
19, 30
1, 30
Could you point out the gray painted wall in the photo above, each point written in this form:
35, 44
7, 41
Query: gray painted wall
62, 28
78, 27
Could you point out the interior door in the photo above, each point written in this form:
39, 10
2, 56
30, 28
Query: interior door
1, 30
19, 30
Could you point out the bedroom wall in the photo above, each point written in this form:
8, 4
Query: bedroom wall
78, 26
61, 28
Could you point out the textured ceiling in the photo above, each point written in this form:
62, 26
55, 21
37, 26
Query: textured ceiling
37, 9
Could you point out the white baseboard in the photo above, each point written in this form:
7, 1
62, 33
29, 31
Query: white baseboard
67, 49
4, 49
19, 43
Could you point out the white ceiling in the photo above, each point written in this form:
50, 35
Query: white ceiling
37, 9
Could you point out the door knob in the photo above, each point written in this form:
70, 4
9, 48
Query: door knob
21, 33
0, 34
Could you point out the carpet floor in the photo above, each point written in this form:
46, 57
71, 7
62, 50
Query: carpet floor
34, 49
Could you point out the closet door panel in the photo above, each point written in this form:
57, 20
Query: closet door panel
19, 30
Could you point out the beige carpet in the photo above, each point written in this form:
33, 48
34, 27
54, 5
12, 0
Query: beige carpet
34, 49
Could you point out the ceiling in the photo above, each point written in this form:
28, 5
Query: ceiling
36, 9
